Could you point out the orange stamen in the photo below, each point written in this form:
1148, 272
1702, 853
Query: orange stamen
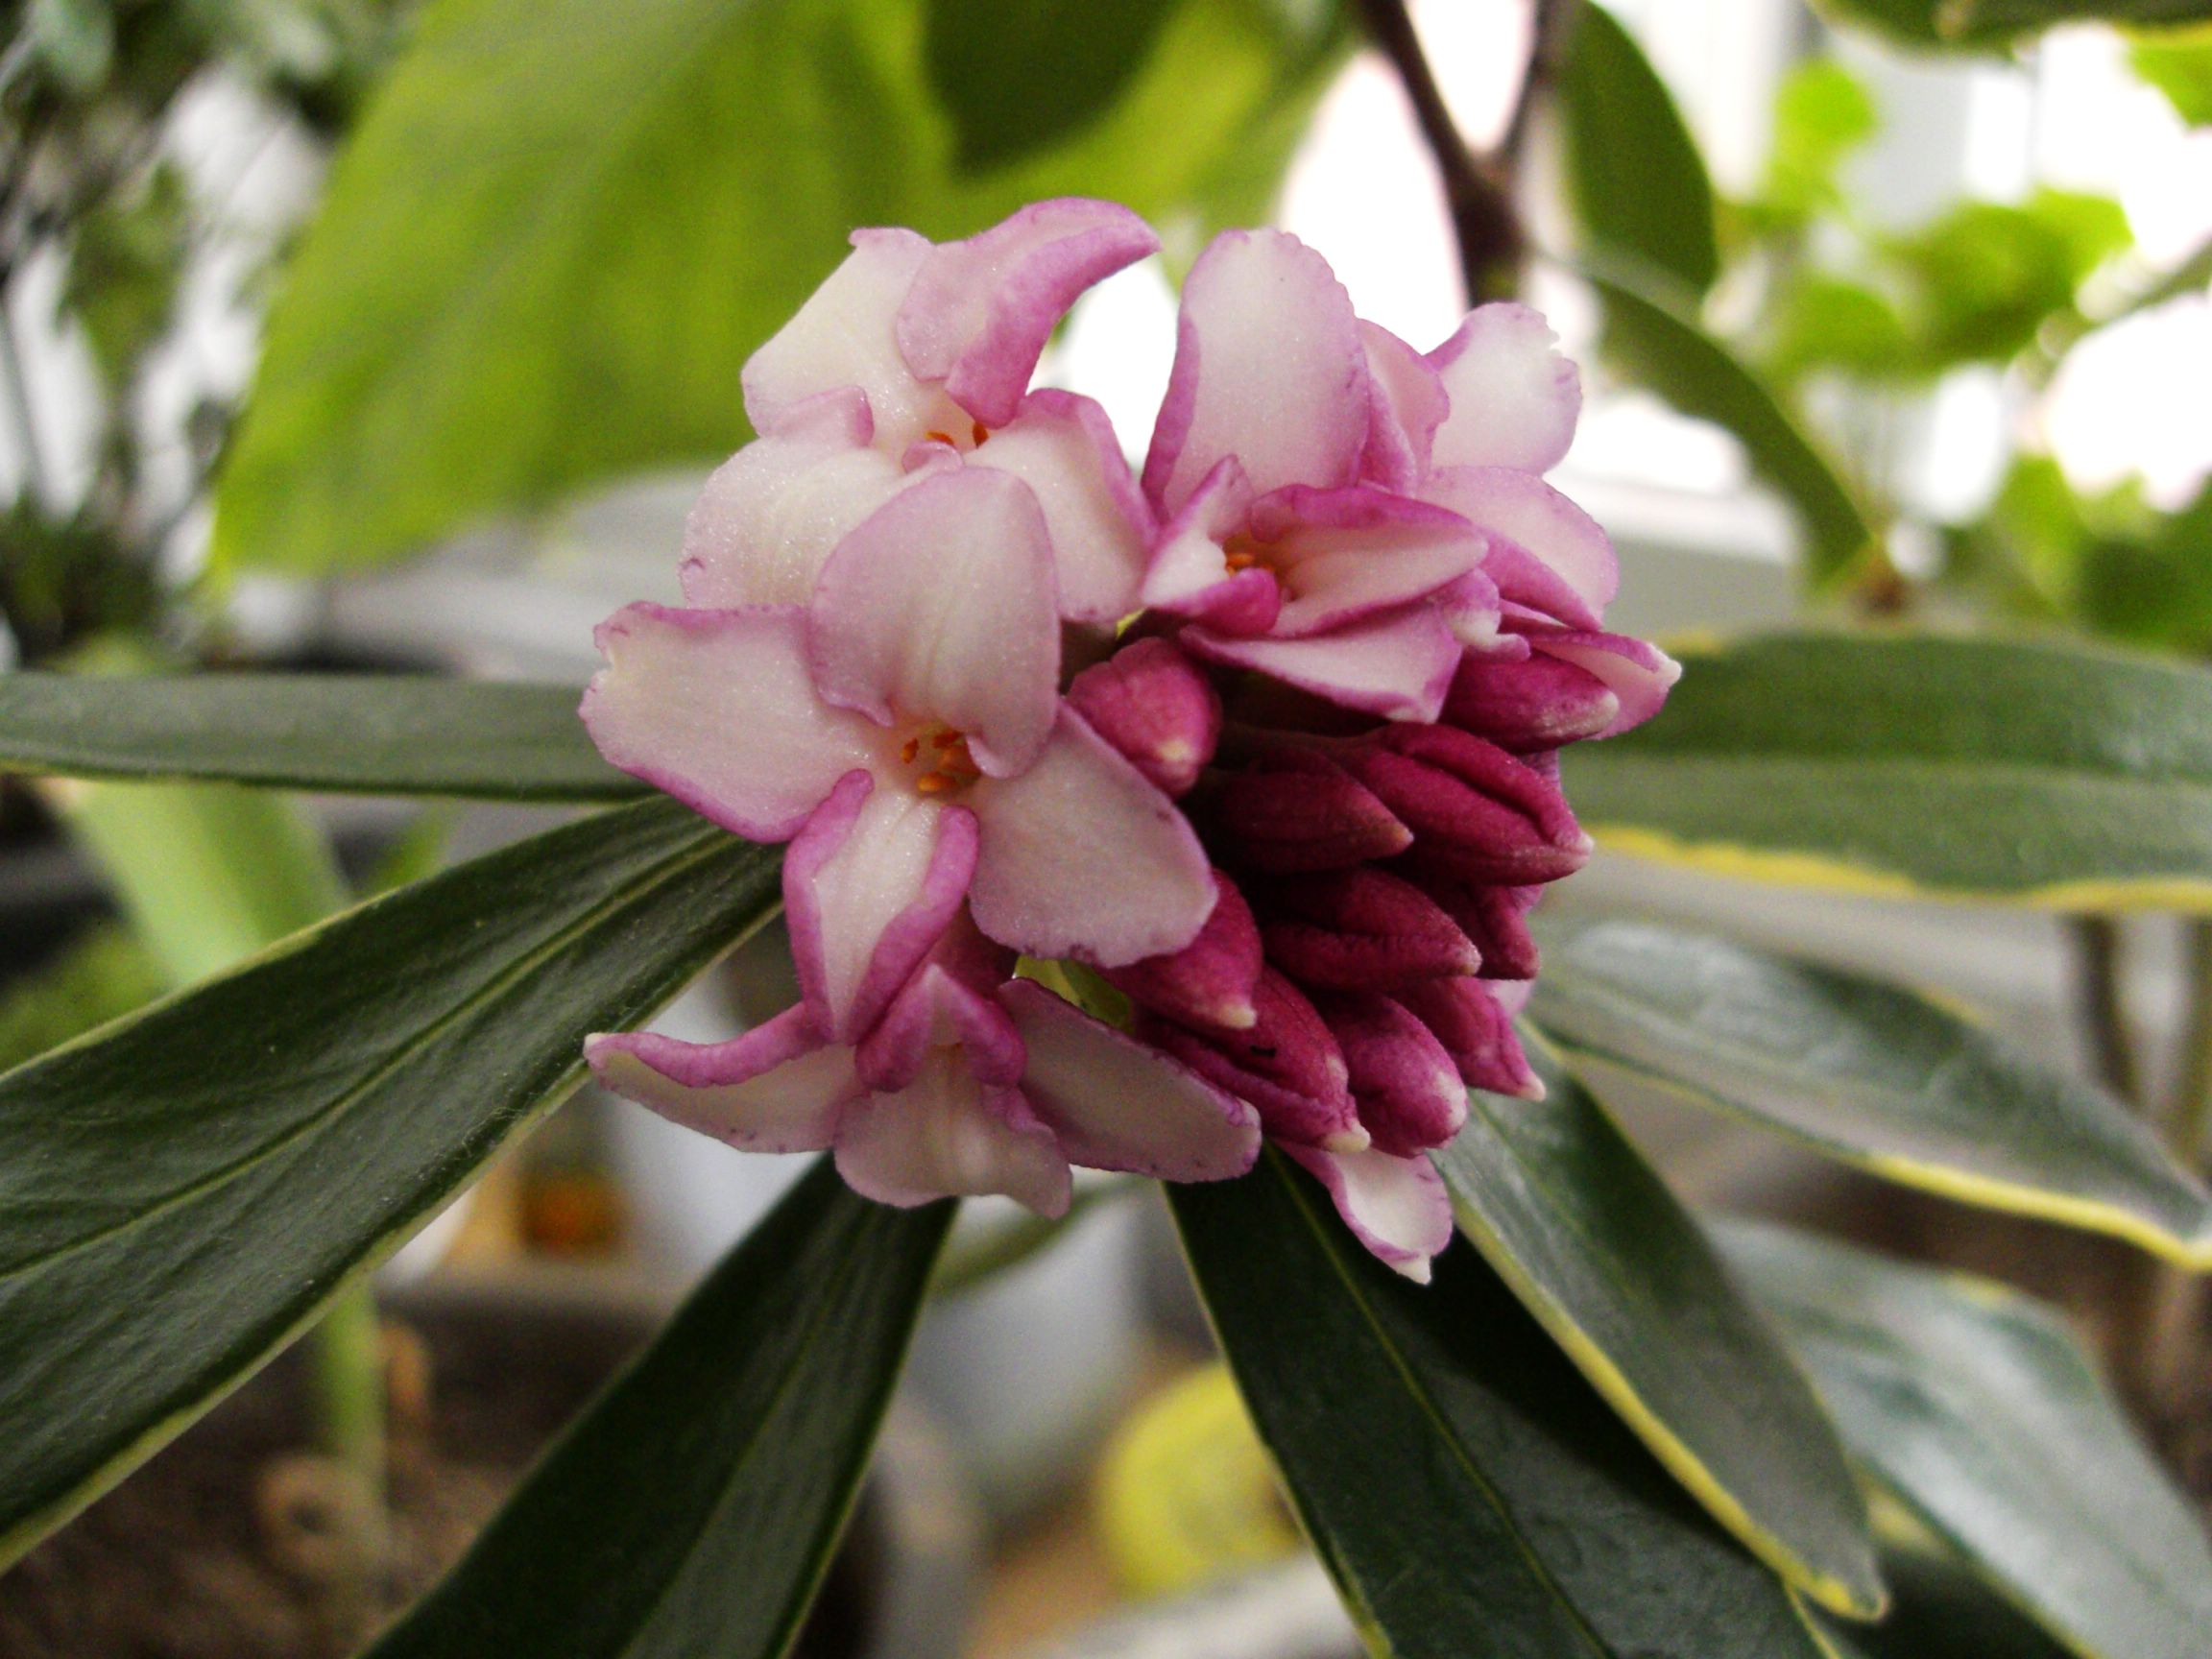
944, 438
980, 433
935, 783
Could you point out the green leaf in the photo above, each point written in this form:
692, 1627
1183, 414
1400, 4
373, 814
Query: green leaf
73, 39
1991, 24
562, 227
694, 1507
1822, 114
99, 976
1633, 169
1974, 1407
1469, 1494
1867, 1073
182, 1192
400, 735
126, 261
1939, 1611
1654, 331
1566, 1212
1824, 322
1016, 77
2180, 66
2046, 773
1987, 277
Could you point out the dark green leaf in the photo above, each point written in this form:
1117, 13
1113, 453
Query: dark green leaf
1974, 1407
693, 1509
358, 733
1471, 1495
2182, 68
2040, 773
1991, 24
1653, 330
1633, 168
1867, 1073
1568, 1213
1939, 1611
563, 225
1018, 78
182, 1192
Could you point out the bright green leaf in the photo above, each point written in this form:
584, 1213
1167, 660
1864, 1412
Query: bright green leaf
693, 1509
1992, 24
1822, 114
182, 1192
2047, 773
563, 225
398, 735
1975, 1408
1869, 1074
1987, 277
1018, 78
1566, 1212
2180, 66
1652, 330
1467, 1490
1638, 181
1823, 321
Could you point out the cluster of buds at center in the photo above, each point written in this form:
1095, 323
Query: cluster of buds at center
1264, 734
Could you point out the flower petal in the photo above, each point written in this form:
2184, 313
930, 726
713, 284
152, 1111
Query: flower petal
981, 310
1269, 368
1518, 509
1514, 396
1536, 701
1398, 666
779, 1088
1409, 403
868, 886
941, 1009
945, 1135
1189, 575
1081, 856
1397, 1207
941, 607
718, 708
1345, 555
1634, 670
1118, 1104
1064, 448
843, 336
771, 513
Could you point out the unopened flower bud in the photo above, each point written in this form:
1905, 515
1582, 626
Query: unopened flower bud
1153, 705
1296, 810
1495, 918
1406, 1084
1209, 983
1538, 701
1362, 930
1288, 1065
1473, 1018
1486, 813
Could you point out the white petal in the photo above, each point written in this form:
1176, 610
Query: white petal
1397, 1207
945, 1136
1062, 447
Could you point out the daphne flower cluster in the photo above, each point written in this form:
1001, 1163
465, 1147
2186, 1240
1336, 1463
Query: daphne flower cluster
1260, 741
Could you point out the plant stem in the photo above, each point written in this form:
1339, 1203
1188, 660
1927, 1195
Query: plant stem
2104, 1022
1478, 189
348, 1362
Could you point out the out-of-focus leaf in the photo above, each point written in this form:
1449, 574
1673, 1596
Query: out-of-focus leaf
1990, 25
74, 40
1822, 113
1975, 1408
2039, 773
1654, 331
2153, 587
1467, 1490
693, 1508
563, 225
1939, 1610
1018, 78
182, 1192
1638, 181
1986, 276
1824, 322
1867, 1073
1566, 1212
101, 977
2180, 66
125, 263
351, 733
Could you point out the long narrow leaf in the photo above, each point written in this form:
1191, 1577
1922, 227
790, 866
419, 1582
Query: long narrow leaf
1468, 1491
1570, 1217
356, 734
693, 1508
181, 1191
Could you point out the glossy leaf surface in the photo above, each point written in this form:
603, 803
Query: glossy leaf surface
1471, 1495
181, 1191
1639, 184
1867, 1073
2047, 773
1566, 1212
1977, 1409
562, 225
694, 1507
398, 735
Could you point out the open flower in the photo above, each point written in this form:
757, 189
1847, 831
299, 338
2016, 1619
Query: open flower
971, 1083
914, 356
905, 725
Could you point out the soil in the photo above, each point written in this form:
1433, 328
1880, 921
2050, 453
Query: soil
239, 1542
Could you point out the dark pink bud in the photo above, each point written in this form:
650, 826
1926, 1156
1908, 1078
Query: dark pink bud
1362, 930
1296, 810
1154, 705
1406, 1086
1481, 811
1473, 1022
1208, 983
1494, 918
1539, 702
1287, 1066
